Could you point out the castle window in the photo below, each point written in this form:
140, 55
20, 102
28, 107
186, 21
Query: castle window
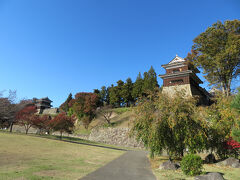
176, 81
175, 70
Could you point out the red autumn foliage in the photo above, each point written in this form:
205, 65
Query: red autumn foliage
62, 123
84, 106
232, 144
42, 123
85, 102
27, 117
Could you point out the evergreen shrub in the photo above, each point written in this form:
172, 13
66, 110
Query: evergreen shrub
192, 164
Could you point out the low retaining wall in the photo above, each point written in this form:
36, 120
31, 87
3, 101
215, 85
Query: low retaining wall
115, 136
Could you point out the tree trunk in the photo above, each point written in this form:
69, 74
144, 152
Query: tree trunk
11, 127
27, 127
229, 87
223, 87
182, 153
61, 135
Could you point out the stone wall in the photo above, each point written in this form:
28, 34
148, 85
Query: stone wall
171, 90
114, 136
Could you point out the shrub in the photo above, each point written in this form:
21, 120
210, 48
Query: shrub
192, 164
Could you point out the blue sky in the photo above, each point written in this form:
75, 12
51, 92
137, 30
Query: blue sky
54, 47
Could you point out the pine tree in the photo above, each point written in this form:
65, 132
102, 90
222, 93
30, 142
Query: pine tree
103, 95
107, 96
126, 92
137, 87
65, 106
120, 85
113, 96
150, 81
153, 79
97, 92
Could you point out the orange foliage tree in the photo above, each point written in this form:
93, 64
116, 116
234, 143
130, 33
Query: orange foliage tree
84, 106
42, 123
27, 117
62, 123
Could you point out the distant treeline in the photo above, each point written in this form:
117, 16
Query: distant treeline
124, 94
127, 93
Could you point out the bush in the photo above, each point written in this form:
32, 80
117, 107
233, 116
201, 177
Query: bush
192, 164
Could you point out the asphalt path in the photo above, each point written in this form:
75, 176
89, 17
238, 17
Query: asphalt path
130, 166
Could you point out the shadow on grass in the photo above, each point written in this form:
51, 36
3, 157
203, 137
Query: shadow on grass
74, 140
79, 141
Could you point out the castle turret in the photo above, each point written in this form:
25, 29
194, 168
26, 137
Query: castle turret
43, 103
181, 75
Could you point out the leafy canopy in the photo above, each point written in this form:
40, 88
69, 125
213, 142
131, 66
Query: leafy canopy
169, 123
217, 52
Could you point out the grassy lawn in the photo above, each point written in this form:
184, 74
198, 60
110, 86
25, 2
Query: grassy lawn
28, 157
229, 173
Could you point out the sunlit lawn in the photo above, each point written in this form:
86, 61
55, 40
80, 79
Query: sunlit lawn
229, 173
28, 157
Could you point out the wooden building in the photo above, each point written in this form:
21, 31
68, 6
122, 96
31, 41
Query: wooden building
43, 103
181, 75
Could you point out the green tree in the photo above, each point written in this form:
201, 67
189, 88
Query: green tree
65, 106
98, 93
236, 105
104, 95
126, 92
113, 96
217, 52
137, 87
171, 124
220, 119
150, 81
236, 102
236, 132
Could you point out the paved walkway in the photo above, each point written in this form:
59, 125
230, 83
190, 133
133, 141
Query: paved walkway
130, 166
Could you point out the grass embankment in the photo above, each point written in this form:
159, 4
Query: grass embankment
228, 172
121, 117
28, 157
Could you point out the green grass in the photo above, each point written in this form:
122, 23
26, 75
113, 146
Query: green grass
30, 157
80, 129
121, 110
228, 172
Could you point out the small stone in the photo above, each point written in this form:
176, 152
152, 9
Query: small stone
203, 177
236, 165
210, 176
231, 162
169, 165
